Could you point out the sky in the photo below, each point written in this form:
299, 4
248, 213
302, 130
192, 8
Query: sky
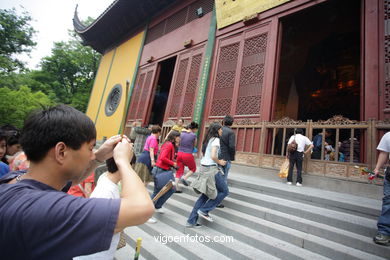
52, 19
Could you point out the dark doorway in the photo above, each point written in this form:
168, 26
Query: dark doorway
319, 73
162, 91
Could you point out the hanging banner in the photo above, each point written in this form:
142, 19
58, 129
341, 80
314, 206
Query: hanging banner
232, 11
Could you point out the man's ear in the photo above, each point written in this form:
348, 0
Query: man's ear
60, 152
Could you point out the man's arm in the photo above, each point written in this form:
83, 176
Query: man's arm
136, 205
382, 159
142, 130
309, 148
232, 144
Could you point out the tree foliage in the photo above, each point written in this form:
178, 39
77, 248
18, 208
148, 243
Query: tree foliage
15, 105
15, 38
72, 67
66, 76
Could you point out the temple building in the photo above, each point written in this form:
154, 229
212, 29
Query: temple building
274, 65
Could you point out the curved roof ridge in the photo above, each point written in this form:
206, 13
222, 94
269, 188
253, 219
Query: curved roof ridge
80, 27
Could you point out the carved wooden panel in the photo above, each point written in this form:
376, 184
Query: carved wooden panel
316, 168
251, 75
145, 94
247, 159
184, 88
336, 170
136, 95
224, 83
267, 161
193, 78
178, 88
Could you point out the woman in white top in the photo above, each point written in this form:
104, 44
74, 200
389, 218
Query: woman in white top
210, 181
107, 187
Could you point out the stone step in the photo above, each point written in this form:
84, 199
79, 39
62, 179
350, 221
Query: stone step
246, 236
187, 248
276, 224
333, 200
150, 248
357, 224
249, 233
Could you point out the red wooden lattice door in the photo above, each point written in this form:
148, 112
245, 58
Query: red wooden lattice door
182, 95
142, 93
238, 80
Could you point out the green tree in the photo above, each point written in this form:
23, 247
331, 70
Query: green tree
16, 35
15, 105
72, 67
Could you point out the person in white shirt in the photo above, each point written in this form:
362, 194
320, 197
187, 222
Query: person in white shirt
296, 157
383, 235
107, 187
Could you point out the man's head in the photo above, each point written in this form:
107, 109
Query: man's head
328, 132
45, 128
299, 131
228, 120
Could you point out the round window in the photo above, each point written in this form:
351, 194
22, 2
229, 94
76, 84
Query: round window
113, 100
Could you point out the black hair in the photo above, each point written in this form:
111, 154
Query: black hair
212, 132
43, 129
3, 136
156, 129
193, 125
13, 138
299, 131
111, 165
12, 133
228, 120
172, 136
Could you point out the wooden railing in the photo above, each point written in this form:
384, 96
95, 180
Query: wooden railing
264, 144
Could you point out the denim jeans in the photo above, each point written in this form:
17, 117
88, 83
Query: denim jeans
384, 219
205, 204
295, 158
226, 170
160, 202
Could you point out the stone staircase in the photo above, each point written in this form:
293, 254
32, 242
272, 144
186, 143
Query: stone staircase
266, 219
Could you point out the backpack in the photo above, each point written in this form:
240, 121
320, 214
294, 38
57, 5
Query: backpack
292, 147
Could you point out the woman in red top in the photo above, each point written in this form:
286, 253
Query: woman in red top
164, 163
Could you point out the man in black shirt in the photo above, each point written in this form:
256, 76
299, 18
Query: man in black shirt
228, 146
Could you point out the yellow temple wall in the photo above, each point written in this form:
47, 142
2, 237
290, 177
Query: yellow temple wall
116, 67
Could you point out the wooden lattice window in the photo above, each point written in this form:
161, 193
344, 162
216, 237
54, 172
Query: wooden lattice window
224, 83
144, 95
178, 88
189, 96
136, 95
182, 95
251, 76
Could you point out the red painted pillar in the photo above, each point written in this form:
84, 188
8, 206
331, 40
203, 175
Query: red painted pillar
372, 87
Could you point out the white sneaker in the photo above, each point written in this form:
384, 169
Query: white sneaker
160, 210
299, 184
289, 183
152, 220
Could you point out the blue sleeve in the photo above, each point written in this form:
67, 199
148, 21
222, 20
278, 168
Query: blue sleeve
317, 141
63, 225
4, 169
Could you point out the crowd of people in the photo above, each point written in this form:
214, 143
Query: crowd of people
51, 164
49, 197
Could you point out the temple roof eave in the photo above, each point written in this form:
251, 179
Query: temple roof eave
121, 19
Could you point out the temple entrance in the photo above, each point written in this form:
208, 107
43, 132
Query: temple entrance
162, 91
319, 73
